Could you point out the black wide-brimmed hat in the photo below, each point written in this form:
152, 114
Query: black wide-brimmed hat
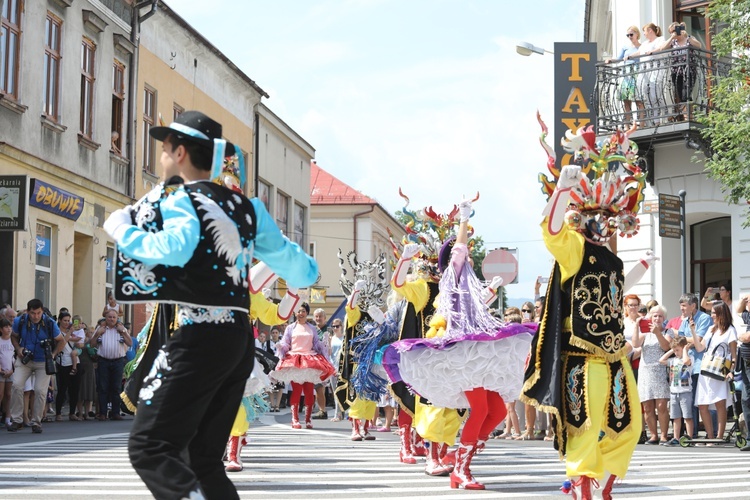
193, 126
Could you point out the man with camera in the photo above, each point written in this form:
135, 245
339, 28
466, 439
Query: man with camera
112, 340
36, 339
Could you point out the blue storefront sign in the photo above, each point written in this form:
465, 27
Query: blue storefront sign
42, 246
55, 200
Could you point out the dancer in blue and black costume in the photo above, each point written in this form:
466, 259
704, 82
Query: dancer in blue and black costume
195, 250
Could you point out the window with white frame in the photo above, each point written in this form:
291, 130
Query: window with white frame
282, 212
264, 194
149, 119
52, 57
43, 269
118, 106
299, 224
88, 51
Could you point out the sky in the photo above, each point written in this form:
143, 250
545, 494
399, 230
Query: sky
426, 95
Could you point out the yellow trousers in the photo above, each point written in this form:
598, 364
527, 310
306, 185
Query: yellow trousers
587, 455
435, 424
362, 409
240, 426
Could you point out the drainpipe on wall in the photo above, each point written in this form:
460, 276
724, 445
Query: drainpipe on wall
356, 216
135, 35
256, 151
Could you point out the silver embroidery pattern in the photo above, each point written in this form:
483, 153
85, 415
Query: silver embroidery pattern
155, 377
189, 315
144, 216
226, 238
138, 277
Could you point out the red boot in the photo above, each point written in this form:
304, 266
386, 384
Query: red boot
308, 416
295, 417
607, 491
356, 436
366, 433
447, 457
461, 476
234, 448
433, 466
582, 488
419, 448
406, 454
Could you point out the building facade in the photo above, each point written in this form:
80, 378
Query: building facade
670, 143
344, 219
64, 68
81, 84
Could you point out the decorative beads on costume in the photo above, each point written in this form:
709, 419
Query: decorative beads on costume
187, 315
155, 377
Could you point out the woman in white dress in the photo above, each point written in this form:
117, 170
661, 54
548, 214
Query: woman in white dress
653, 384
720, 339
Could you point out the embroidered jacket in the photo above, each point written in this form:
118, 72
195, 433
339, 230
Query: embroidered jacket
193, 245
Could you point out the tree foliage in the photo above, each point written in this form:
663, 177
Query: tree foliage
727, 125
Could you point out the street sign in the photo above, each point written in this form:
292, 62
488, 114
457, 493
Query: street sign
671, 218
501, 262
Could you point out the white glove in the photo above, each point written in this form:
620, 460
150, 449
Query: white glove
464, 210
410, 251
267, 293
496, 282
376, 314
650, 258
569, 176
359, 285
118, 219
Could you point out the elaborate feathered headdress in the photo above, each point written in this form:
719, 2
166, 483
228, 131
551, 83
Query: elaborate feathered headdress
373, 273
429, 229
612, 182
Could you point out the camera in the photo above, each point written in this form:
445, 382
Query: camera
678, 30
49, 363
27, 356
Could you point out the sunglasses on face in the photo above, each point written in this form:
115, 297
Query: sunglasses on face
337, 326
628, 35
526, 310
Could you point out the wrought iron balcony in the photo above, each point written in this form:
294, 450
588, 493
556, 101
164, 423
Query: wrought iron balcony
665, 91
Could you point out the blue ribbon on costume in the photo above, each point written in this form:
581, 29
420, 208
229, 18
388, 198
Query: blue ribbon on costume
218, 159
240, 165
184, 129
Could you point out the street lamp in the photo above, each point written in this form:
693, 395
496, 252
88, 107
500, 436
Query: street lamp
526, 49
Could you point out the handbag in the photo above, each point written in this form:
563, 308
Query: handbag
93, 352
715, 366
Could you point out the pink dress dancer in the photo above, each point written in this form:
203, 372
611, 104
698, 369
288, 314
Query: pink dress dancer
303, 362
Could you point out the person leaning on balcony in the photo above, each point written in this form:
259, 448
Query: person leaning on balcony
628, 90
649, 81
682, 73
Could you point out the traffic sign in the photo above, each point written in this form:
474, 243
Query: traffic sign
671, 218
501, 262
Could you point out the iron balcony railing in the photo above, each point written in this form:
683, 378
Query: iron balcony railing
660, 89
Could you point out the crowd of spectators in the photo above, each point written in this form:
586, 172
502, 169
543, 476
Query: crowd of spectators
56, 367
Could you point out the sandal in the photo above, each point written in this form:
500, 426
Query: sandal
73, 418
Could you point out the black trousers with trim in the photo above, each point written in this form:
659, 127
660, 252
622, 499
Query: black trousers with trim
180, 432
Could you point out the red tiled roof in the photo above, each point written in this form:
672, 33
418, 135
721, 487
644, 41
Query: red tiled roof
325, 189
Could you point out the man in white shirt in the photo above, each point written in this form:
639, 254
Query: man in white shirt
112, 341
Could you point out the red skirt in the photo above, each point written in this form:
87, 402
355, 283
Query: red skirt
301, 368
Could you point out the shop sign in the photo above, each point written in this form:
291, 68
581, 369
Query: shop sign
14, 202
55, 200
